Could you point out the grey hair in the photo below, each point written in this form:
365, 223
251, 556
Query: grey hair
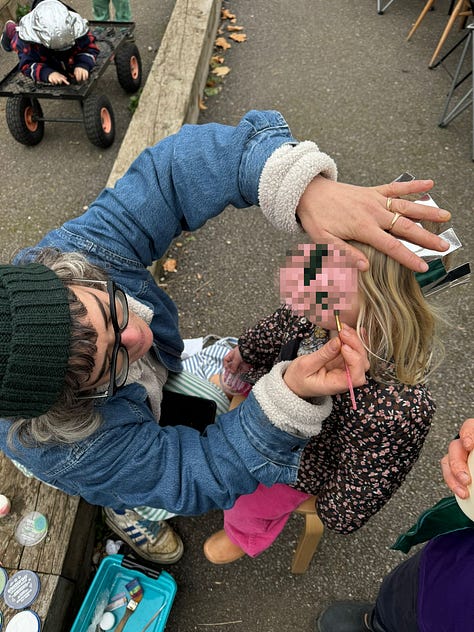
70, 419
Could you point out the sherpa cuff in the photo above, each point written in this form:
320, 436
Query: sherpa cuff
285, 409
284, 178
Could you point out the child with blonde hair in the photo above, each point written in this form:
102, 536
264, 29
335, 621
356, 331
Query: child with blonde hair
361, 456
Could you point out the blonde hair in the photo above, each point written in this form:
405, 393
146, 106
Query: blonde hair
396, 322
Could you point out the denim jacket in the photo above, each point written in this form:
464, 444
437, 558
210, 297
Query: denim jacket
130, 461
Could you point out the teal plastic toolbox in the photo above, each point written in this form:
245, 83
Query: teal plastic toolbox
109, 587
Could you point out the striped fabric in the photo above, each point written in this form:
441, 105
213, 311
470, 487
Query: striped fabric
194, 380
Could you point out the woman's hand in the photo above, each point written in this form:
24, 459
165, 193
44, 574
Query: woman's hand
331, 212
323, 372
454, 464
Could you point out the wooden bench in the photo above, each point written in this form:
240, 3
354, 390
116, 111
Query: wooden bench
62, 560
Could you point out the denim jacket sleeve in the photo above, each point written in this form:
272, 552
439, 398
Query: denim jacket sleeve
132, 461
176, 185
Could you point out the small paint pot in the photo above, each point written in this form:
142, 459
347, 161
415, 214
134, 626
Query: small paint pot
21, 589
25, 621
3, 579
5, 506
31, 529
107, 622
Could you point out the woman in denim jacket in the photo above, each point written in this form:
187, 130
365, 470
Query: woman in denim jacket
70, 413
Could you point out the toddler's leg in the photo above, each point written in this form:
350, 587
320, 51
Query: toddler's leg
123, 12
100, 10
254, 522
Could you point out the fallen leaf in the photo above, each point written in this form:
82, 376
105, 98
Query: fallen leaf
169, 265
211, 92
221, 42
221, 71
227, 15
238, 37
201, 104
217, 59
234, 28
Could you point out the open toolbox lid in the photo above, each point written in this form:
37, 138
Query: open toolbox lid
114, 572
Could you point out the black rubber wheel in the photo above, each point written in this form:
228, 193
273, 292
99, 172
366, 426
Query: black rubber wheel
128, 65
22, 119
99, 120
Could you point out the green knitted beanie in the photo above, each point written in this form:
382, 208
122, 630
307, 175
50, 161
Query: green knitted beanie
35, 335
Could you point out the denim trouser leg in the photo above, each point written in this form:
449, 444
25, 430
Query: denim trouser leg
396, 606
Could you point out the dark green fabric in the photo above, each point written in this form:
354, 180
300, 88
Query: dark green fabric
444, 517
35, 335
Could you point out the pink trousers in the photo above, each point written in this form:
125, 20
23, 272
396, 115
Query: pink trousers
256, 520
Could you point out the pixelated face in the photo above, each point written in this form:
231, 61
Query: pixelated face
318, 279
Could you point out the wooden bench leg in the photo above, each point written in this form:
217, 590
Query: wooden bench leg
307, 543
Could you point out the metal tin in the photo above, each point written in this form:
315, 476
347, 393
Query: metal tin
25, 621
3, 579
21, 589
31, 529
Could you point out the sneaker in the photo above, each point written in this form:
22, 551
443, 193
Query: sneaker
346, 616
153, 540
8, 33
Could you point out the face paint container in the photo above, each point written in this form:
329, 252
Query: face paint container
21, 589
25, 621
31, 529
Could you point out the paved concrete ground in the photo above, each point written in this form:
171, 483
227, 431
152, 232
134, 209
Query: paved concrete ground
345, 78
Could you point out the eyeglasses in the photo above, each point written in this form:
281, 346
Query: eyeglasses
119, 361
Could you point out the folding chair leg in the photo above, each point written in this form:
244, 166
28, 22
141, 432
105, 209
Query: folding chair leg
308, 543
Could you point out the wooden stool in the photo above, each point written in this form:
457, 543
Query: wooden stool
309, 538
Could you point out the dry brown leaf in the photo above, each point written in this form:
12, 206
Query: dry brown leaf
238, 37
234, 28
221, 42
221, 71
169, 265
217, 59
201, 104
227, 15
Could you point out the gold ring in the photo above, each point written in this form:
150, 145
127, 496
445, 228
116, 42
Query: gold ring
396, 217
388, 204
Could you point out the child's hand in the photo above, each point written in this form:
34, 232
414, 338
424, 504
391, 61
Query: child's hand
233, 360
56, 78
323, 372
81, 74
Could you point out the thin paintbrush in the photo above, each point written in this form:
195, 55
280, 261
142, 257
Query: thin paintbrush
136, 594
348, 373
